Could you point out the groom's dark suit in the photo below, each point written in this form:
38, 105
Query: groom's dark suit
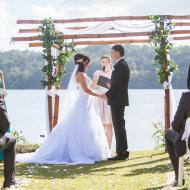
117, 99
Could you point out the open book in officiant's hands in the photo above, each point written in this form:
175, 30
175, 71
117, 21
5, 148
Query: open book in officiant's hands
104, 82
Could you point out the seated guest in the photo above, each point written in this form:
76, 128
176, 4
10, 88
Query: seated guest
178, 126
2, 87
7, 142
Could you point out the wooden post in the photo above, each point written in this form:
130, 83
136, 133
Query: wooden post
50, 111
167, 111
56, 103
167, 93
50, 101
56, 110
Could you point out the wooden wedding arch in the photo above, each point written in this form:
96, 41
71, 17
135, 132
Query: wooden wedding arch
99, 31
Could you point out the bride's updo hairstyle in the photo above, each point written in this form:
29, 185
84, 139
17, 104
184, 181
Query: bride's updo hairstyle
81, 60
87, 60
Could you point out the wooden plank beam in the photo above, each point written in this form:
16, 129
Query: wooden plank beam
35, 44
102, 19
39, 44
182, 38
109, 35
28, 38
179, 17
29, 21
182, 24
129, 41
181, 32
37, 30
31, 30
77, 27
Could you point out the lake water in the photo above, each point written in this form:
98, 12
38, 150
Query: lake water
26, 109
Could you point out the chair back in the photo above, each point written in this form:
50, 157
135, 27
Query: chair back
187, 121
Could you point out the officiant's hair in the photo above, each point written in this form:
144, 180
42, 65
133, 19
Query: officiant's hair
188, 79
86, 59
105, 57
120, 49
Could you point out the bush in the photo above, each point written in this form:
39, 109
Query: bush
26, 148
22, 146
159, 136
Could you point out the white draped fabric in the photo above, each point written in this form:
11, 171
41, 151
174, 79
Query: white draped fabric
168, 85
103, 27
52, 92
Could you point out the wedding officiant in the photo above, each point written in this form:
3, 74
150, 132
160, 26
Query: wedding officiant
101, 104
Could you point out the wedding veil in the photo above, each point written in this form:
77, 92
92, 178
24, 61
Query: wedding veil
70, 95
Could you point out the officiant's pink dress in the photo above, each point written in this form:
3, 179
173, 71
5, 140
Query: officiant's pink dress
101, 105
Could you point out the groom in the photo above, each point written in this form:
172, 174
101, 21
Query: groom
117, 97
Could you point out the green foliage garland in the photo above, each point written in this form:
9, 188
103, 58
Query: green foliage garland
49, 38
162, 46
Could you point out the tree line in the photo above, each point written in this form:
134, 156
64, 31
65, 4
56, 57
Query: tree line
22, 69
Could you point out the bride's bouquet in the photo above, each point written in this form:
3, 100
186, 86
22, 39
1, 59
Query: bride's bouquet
3, 93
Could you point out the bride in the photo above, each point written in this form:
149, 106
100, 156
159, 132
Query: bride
80, 137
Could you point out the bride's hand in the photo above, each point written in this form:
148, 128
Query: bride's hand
103, 96
108, 85
4, 93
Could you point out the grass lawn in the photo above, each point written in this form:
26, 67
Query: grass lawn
143, 171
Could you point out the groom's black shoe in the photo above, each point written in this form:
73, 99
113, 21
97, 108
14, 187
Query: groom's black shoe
123, 156
8, 184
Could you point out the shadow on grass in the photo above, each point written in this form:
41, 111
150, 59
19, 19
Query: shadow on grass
157, 154
161, 168
149, 156
106, 168
70, 171
149, 162
65, 171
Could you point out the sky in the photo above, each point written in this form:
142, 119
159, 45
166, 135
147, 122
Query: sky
11, 10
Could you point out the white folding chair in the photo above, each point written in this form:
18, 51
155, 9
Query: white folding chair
181, 171
181, 159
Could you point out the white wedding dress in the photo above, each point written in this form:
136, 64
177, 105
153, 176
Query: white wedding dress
79, 139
